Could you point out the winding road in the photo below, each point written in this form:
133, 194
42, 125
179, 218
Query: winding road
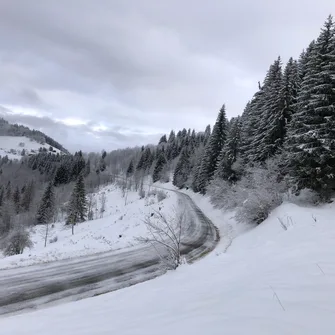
37, 286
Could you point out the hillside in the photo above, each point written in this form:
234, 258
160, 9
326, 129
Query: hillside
270, 280
16, 147
116, 225
15, 130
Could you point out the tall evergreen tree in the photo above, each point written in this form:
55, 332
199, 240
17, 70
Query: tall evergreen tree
130, 169
77, 209
183, 169
289, 93
47, 205
212, 151
162, 140
311, 135
28, 196
16, 200
2, 194
229, 152
161, 161
270, 132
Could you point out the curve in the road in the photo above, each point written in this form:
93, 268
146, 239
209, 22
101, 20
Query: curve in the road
35, 286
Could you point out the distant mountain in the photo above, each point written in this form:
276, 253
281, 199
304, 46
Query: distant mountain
29, 137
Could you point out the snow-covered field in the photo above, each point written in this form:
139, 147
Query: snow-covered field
273, 279
12, 146
121, 223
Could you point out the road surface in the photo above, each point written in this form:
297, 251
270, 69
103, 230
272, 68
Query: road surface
29, 288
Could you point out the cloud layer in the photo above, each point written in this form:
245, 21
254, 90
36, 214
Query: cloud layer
108, 74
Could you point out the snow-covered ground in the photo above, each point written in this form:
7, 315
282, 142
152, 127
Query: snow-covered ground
121, 223
12, 146
273, 279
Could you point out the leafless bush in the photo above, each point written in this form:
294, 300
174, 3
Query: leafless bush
263, 193
258, 192
303, 197
91, 206
165, 233
53, 240
223, 194
16, 241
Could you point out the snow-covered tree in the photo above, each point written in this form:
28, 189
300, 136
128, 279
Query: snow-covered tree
161, 161
229, 152
212, 151
47, 206
183, 169
77, 209
311, 134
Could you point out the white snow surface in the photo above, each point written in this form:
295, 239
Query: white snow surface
270, 280
10, 146
121, 224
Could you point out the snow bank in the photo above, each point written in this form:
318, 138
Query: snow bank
121, 224
271, 280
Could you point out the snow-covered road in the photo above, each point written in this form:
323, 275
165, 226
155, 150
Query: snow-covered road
40, 285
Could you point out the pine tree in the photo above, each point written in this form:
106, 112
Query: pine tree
162, 140
228, 155
130, 169
9, 190
161, 161
62, 175
145, 161
47, 206
250, 121
182, 170
87, 167
212, 151
172, 137
311, 134
28, 196
77, 209
269, 134
78, 165
289, 92
2, 194
16, 200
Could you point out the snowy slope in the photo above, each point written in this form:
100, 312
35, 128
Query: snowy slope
270, 281
12, 146
121, 223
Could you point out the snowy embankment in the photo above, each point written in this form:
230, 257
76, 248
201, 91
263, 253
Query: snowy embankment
278, 278
121, 224
15, 147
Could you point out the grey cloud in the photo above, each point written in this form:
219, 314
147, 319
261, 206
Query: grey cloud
81, 137
147, 65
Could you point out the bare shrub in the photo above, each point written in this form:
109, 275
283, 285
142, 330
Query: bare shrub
303, 197
223, 194
16, 241
262, 192
165, 235
258, 192
91, 206
53, 240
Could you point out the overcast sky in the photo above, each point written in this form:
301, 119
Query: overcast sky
106, 74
